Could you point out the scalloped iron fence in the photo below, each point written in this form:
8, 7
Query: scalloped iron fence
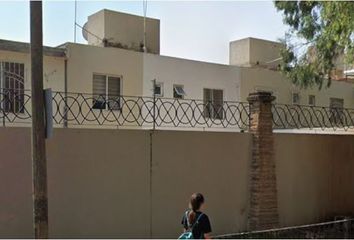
79, 109
312, 117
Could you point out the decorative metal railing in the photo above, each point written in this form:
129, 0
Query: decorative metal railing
311, 117
78, 109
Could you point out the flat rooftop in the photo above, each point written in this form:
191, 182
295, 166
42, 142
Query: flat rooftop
22, 47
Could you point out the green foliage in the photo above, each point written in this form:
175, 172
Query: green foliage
325, 30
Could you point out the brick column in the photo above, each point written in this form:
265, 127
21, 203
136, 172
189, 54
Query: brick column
263, 212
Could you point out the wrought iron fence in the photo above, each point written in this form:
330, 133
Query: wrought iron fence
311, 117
79, 109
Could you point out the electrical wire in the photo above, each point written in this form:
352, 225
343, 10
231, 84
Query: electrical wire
75, 21
99, 38
144, 34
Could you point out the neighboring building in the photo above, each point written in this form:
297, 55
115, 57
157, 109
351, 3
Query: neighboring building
113, 64
15, 59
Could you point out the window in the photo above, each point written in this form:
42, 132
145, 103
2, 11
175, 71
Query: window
106, 92
178, 91
296, 98
213, 103
12, 77
336, 110
158, 89
312, 100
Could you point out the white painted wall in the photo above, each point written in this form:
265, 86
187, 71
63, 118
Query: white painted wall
193, 75
256, 78
85, 60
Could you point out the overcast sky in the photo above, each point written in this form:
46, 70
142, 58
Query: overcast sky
197, 30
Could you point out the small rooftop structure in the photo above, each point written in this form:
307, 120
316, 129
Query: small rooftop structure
255, 52
109, 28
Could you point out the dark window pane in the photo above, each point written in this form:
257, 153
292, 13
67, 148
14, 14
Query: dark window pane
113, 93
99, 91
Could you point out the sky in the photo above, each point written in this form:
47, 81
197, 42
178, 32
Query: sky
198, 30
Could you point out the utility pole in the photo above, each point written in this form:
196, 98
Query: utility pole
39, 165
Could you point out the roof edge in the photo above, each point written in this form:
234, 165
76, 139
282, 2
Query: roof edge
23, 47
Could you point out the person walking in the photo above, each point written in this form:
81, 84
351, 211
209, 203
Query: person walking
196, 224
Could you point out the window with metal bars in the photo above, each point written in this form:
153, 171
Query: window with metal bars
106, 92
12, 77
213, 103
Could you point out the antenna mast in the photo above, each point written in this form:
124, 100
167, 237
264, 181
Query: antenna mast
75, 21
144, 36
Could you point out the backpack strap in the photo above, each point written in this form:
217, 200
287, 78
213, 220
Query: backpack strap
196, 221
186, 216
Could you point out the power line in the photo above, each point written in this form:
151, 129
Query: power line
83, 28
144, 34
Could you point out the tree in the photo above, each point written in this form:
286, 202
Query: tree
320, 33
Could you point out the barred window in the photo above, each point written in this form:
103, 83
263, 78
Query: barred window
213, 103
106, 92
12, 77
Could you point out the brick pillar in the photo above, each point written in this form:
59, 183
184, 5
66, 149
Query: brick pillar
263, 212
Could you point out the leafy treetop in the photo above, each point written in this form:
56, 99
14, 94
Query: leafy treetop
324, 32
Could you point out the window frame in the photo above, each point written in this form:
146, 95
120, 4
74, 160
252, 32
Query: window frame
107, 96
209, 112
314, 100
174, 91
292, 98
160, 84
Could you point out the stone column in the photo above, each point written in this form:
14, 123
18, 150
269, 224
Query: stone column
263, 212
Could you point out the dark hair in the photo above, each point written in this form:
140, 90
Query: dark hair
197, 199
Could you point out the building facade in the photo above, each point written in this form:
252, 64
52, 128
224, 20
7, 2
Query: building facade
114, 64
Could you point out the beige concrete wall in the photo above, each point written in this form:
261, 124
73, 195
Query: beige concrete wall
212, 163
193, 75
239, 52
15, 183
343, 177
100, 184
84, 61
264, 52
256, 78
314, 176
99, 193
95, 26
